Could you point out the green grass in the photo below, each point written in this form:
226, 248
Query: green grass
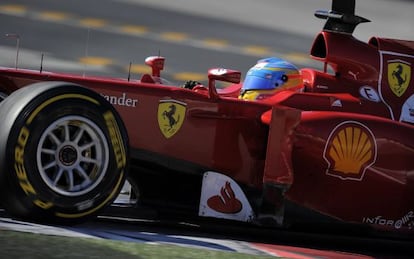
29, 245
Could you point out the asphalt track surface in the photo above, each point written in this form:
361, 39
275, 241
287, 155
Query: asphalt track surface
145, 226
103, 37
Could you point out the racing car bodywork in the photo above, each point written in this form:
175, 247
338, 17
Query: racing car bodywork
338, 149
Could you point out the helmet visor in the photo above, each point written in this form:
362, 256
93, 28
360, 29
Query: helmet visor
257, 83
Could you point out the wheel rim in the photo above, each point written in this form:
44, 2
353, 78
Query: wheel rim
72, 155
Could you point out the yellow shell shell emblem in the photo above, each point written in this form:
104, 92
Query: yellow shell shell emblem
350, 150
399, 76
171, 115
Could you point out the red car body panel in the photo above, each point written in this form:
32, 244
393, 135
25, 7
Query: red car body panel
219, 136
338, 145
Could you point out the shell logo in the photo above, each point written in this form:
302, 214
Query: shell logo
350, 150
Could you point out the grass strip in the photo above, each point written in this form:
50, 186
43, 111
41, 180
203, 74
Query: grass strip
30, 245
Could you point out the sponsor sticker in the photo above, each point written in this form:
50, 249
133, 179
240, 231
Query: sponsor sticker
399, 76
222, 197
171, 115
350, 150
406, 220
369, 93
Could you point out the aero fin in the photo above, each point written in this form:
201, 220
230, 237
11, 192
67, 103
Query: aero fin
341, 18
282, 122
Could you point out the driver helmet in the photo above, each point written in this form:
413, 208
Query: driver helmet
268, 76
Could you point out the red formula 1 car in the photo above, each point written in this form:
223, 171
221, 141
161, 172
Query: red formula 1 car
338, 149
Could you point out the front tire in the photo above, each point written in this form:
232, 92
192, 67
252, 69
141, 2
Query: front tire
63, 153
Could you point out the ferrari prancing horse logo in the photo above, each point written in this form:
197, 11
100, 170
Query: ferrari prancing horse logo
171, 115
399, 76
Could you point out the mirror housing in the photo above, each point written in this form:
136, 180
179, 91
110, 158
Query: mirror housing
221, 74
156, 63
225, 75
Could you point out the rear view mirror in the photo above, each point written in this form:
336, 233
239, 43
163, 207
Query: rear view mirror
156, 63
223, 74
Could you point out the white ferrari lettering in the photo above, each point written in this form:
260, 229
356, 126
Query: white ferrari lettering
121, 100
407, 219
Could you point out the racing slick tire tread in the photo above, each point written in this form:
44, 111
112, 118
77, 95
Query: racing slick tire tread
33, 110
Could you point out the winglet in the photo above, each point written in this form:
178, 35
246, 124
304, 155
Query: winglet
341, 18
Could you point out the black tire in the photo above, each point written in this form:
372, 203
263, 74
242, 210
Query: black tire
63, 153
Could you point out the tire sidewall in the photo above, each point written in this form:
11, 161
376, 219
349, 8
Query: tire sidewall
27, 193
